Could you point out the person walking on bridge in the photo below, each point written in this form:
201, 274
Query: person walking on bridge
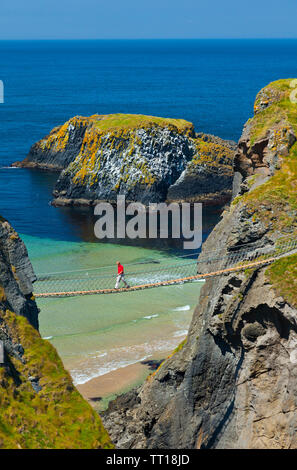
120, 276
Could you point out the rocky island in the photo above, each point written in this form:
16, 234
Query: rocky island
39, 405
146, 158
233, 382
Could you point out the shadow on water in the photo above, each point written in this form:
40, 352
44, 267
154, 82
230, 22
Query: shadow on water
83, 220
25, 202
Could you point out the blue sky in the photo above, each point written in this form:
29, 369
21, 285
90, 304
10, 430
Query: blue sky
96, 19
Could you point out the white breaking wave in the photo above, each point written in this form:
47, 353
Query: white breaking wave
149, 278
102, 355
180, 333
182, 309
125, 356
148, 317
80, 378
9, 168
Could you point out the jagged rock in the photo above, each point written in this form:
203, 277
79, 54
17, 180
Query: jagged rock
207, 176
145, 158
234, 382
17, 275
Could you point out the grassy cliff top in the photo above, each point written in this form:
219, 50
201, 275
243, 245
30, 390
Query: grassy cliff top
272, 107
275, 201
114, 125
111, 122
56, 417
278, 194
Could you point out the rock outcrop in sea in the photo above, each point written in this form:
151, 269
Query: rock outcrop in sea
145, 158
39, 406
233, 382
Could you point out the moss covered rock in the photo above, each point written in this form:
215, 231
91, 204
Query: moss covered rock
39, 406
266, 162
138, 156
208, 175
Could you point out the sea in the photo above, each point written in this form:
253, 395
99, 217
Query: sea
211, 83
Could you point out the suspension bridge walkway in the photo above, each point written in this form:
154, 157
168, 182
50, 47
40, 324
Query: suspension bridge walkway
161, 272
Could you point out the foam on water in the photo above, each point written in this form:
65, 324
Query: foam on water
180, 333
80, 378
118, 358
182, 309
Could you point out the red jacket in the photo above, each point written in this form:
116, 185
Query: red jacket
120, 269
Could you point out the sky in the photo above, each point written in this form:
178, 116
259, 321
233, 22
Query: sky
147, 19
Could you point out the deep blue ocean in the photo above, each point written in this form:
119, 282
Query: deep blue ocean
212, 83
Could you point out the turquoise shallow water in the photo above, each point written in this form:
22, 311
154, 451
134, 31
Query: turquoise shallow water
97, 334
50, 255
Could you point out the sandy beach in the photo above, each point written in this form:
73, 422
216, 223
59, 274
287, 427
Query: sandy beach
100, 390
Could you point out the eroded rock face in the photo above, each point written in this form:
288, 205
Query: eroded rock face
56, 150
233, 384
17, 275
262, 157
261, 152
145, 158
208, 176
143, 168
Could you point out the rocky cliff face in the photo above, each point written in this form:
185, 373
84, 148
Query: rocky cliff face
39, 406
17, 275
206, 177
233, 383
146, 158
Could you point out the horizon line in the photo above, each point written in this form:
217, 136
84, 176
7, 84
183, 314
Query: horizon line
155, 39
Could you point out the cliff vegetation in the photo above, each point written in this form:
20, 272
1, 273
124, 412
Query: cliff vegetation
139, 156
39, 405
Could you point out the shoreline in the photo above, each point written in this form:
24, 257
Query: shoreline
100, 390
209, 199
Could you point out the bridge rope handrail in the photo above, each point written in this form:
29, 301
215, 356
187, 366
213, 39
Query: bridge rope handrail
201, 260
233, 249
156, 284
63, 286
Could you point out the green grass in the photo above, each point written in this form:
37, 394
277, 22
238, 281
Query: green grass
275, 201
133, 121
56, 417
281, 109
283, 276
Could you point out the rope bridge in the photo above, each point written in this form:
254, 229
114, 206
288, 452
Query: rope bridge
214, 263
